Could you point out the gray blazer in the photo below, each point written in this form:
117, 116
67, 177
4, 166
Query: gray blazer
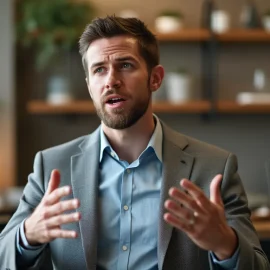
184, 157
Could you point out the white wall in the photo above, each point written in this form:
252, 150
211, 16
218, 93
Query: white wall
7, 113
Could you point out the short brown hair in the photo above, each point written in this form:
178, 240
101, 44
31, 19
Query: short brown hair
112, 26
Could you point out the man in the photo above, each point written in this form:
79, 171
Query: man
134, 194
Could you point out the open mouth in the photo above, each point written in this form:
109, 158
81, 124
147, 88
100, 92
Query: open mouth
113, 101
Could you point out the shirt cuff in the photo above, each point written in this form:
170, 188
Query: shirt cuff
228, 264
25, 248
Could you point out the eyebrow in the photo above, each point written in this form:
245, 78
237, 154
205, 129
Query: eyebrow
127, 58
119, 59
97, 64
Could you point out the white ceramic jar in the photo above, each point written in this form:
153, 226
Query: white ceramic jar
167, 24
220, 21
266, 23
178, 87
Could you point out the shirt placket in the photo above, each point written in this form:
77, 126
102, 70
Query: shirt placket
125, 219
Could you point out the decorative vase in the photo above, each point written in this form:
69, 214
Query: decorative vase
178, 87
249, 16
59, 90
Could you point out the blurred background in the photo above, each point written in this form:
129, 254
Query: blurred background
217, 86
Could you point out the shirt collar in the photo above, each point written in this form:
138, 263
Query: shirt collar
155, 141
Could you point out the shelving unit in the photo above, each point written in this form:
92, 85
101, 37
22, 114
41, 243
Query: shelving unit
203, 106
199, 34
36, 107
232, 107
87, 107
241, 35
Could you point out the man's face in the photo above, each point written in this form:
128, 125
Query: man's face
118, 81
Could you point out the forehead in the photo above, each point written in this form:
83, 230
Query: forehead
105, 48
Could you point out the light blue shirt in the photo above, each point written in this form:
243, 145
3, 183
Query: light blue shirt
128, 199
129, 196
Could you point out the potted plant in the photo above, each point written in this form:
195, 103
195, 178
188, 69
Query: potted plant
52, 28
266, 20
178, 86
169, 21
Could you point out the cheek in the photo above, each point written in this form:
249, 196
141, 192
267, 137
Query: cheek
95, 88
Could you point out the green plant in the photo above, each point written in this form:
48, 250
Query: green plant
267, 13
51, 26
182, 70
171, 13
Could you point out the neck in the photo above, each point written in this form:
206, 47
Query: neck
129, 143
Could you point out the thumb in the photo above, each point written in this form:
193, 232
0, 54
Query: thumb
54, 181
215, 194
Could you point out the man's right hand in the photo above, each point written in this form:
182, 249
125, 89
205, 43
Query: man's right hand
44, 225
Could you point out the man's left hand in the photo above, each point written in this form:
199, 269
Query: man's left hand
203, 220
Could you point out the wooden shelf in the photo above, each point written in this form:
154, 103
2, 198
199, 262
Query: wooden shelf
200, 106
43, 107
187, 35
192, 107
87, 107
234, 107
197, 34
243, 35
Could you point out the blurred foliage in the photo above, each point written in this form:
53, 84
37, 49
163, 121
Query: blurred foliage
51, 26
267, 13
171, 13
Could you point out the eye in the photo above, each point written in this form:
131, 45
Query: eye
126, 65
99, 70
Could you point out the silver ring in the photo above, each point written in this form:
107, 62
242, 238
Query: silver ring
191, 221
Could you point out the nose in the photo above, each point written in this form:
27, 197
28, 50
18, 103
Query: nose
113, 80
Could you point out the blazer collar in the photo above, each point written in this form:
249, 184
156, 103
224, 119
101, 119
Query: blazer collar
177, 165
84, 177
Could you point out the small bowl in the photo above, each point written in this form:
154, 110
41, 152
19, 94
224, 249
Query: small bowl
168, 24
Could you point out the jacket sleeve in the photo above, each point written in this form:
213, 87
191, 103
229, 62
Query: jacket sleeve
32, 195
237, 213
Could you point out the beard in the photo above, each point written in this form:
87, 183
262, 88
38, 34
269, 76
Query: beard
122, 118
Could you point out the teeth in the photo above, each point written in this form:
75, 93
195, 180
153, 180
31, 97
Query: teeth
113, 100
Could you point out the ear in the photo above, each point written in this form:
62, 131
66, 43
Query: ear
156, 77
88, 86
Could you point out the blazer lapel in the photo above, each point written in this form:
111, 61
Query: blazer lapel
84, 175
176, 165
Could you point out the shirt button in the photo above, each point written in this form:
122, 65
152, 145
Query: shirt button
124, 248
125, 207
112, 154
128, 171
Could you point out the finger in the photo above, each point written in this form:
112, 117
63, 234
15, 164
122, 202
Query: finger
196, 193
54, 181
63, 219
185, 200
56, 195
215, 194
180, 212
58, 233
177, 223
61, 207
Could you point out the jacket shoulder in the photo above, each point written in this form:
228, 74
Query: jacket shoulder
201, 148
70, 146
